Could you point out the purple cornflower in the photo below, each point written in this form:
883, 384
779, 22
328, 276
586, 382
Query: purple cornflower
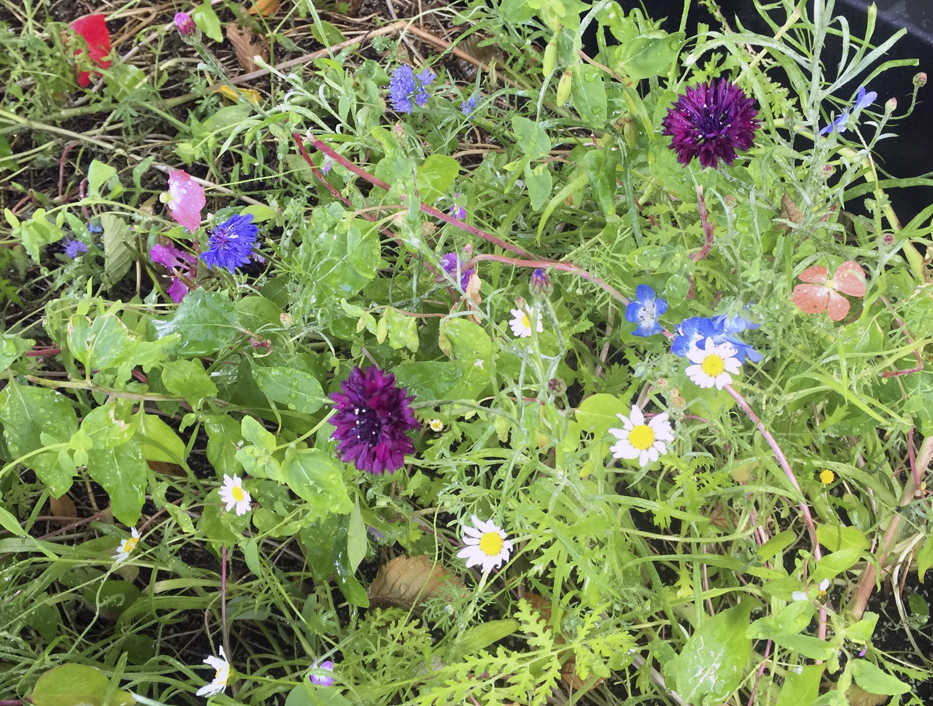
862, 100
322, 680
403, 85
711, 121
185, 24
468, 106
539, 284
231, 243
645, 311
74, 248
373, 414
452, 265
183, 266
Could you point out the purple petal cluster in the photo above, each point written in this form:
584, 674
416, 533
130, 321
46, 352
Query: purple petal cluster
405, 85
452, 264
711, 121
75, 248
183, 266
231, 243
373, 416
468, 106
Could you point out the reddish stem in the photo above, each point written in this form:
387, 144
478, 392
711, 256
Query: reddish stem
707, 227
42, 351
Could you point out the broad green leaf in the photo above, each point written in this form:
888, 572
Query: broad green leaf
326, 33
223, 435
925, 558
863, 629
11, 348
291, 387
481, 636
251, 555
589, 95
37, 232
158, 441
539, 182
257, 434
99, 174
205, 322
307, 694
465, 340
260, 212
356, 538
598, 413
187, 378
207, 21
314, 476
105, 428
105, 344
118, 253
531, 138
77, 685
436, 176
121, 471
836, 537
34, 417
789, 620
876, 681
713, 662
441, 380
601, 168
801, 685
402, 329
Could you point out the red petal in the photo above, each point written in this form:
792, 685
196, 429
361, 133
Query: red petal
838, 306
810, 298
93, 29
850, 279
815, 275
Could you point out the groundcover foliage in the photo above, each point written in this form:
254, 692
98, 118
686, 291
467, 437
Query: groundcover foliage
434, 361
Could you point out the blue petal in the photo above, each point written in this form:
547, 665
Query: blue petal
631, 312
643, 292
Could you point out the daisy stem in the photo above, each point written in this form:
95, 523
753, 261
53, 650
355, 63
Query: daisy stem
782, 461
224, 634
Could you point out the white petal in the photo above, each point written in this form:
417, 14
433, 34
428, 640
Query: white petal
637, 417
623, 449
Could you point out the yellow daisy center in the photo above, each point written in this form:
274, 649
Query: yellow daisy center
490, 543
641, 437
827, 476
436, 425
237, 493
526, 322
713, 365
217, 674
129, 544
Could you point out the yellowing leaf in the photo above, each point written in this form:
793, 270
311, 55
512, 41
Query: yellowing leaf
264, 7
405, 581
234, 94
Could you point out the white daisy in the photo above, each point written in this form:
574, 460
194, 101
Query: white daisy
436, 425
235, 495
646, 442
221, 675
713, 364
126, 546
486, 545
521, 324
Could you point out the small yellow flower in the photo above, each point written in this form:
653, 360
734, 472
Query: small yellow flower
126, 546
827, 476
436, 425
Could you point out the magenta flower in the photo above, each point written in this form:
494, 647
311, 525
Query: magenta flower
185, 25
180, 263
185, 199
373, 416
711, 121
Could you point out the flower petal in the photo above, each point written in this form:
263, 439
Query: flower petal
810, 298
850, 279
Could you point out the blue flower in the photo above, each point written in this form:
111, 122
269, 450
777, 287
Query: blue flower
862, 100
451, 264
403, 85
93, 227
645, 311
74, 248
468, 106
695, 331
231, 243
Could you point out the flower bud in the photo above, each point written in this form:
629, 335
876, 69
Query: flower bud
185, 25
920, 79
540, 283
890, 105
557, 386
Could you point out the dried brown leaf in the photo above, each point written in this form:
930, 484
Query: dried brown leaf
170, 469
790, 211
64, 508
264, 7
247, 45
405, 581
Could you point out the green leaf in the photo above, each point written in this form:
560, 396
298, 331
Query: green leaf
326, 34
99, 174
801, 685
205, 323
789, 620
601, 168
356, 538
11, 348
37, 232
33, 417
836, 537
77, 685
481, 636
539, 183
598, 413
876, 681
712, 663
402, 329
863, 629
188, 379
158, 441
314, 476
292, 387
589, 95
9, 522
531, 138
925, 558
118, 253
435, 176
121, 471
257, 434
307, 694
260, 212
207, 21
106, 344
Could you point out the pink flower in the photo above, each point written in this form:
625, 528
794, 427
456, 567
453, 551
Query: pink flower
185, 199
183, 266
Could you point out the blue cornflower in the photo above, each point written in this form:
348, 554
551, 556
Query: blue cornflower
451, 264
468, 106
94, 227
403, 85
231, 243
645, 311
695, 331
74, 248
862, 100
